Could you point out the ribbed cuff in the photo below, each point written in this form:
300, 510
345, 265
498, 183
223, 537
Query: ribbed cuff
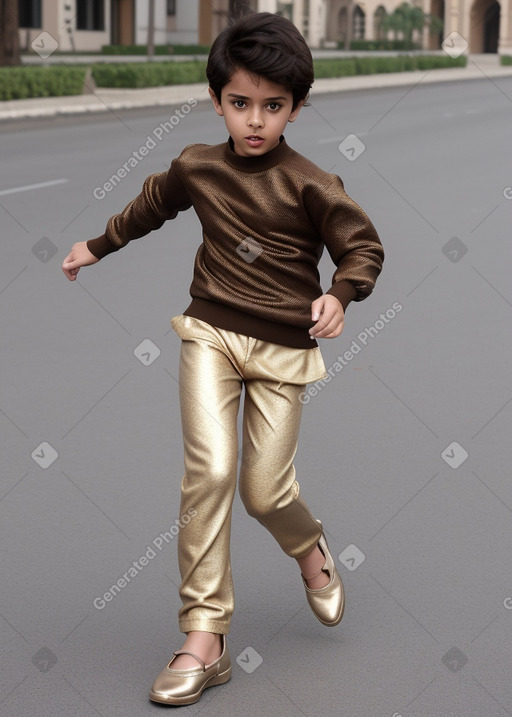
101, 246
344, 291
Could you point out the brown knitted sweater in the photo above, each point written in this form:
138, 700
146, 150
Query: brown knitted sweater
265, 220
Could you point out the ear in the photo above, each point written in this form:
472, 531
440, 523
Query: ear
295, 112
216, 103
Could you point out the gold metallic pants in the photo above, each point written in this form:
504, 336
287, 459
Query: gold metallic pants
214, 364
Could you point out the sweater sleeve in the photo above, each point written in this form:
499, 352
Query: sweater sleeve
163, 195
350, 238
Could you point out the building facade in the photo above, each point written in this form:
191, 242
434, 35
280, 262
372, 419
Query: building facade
83, 25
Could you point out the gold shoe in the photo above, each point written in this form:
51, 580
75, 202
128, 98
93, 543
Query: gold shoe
328, 603
184, 687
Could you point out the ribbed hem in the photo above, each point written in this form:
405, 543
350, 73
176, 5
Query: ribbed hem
204, 625
225, 317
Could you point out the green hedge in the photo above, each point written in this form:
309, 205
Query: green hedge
342, 67
506, 59
148, 74
159, 49
18, 83
21, 82
158, 74
371, 45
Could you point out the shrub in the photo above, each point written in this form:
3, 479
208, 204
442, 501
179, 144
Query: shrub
506, 59
371, 65
335, 68
148, 74
158, 74
21, 82
434, 62
18, 83
379, 45
159, 50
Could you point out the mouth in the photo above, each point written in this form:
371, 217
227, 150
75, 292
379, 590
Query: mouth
254, 140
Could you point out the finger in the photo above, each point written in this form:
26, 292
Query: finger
329, 329
70, 269
317, 308
323, 322
337, 331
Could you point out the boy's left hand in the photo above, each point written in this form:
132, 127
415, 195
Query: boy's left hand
328, 313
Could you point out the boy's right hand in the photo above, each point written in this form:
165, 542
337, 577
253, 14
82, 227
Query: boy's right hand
77, 257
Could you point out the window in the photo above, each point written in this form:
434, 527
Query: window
378, 19
30, 13
358, 23
171, 8
342, 24
90, 15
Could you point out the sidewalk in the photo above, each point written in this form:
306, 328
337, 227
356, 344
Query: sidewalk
102, 100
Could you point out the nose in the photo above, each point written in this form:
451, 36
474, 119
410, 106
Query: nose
255, 118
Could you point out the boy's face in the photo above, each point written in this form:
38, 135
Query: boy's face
255, 111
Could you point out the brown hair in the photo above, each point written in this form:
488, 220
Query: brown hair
265, 44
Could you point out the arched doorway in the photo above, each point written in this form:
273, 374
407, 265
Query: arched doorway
492, 28
342, 24
485, 26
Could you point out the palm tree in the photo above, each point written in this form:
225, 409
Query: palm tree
392, 22
9, 39
407, 18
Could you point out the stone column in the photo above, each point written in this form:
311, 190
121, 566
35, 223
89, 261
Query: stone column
317, 22
298, 15
505, 42
267, 5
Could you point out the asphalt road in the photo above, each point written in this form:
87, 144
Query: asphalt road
405, 454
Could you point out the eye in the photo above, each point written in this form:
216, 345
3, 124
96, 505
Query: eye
273, 106
240, 104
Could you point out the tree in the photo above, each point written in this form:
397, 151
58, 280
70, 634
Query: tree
9, 38
350, 24
407, 18
151, 29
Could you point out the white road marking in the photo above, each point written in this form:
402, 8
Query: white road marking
28, 187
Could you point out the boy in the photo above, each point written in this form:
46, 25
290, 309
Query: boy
257, 309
